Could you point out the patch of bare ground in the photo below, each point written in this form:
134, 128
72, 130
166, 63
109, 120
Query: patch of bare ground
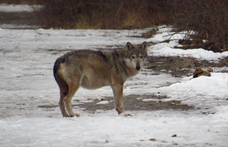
135, 103
181, 66
132, 103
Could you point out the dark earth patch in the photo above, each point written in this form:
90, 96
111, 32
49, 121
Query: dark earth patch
181, 66
131, 103
136, 102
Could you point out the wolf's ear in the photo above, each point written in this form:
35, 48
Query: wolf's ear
129, 46
144, 46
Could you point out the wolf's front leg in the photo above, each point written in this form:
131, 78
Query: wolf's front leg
118, 97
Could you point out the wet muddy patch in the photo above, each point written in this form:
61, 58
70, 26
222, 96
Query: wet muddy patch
181, 66
134, 103
131, 103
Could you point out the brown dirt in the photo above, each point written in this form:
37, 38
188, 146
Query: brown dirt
131, 103
181, 66
136, 102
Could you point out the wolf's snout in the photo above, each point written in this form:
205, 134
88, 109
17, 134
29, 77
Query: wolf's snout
137, 67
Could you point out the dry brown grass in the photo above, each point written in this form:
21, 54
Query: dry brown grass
101, 14
208, 18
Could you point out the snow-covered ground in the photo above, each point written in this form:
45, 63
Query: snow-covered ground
18, 8
27, 83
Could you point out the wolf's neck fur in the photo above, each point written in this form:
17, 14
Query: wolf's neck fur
118, 60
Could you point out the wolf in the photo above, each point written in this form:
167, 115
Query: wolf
94, 69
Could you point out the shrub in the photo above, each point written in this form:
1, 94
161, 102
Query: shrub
207, 18
106, 14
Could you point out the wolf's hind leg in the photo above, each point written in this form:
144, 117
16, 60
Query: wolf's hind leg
63, 92
73, 87
62, 105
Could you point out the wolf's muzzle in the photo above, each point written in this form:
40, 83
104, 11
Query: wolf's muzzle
137, 65
137, 68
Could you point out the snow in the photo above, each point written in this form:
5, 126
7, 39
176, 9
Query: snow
167, 49
27, 84
18, 8
200, 91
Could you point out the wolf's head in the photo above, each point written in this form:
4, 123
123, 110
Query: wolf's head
135, 56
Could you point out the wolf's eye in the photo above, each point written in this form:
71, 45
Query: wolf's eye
133, 57
140, 56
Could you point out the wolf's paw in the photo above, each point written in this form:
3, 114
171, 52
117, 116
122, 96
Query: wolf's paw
120, 110
66, 115
75, 114
127, 114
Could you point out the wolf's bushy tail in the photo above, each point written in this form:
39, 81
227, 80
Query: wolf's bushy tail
60, 81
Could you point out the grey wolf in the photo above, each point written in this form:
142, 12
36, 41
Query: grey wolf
199, 72
95, 69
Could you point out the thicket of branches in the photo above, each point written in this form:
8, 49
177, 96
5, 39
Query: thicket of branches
105, 14
208, 18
